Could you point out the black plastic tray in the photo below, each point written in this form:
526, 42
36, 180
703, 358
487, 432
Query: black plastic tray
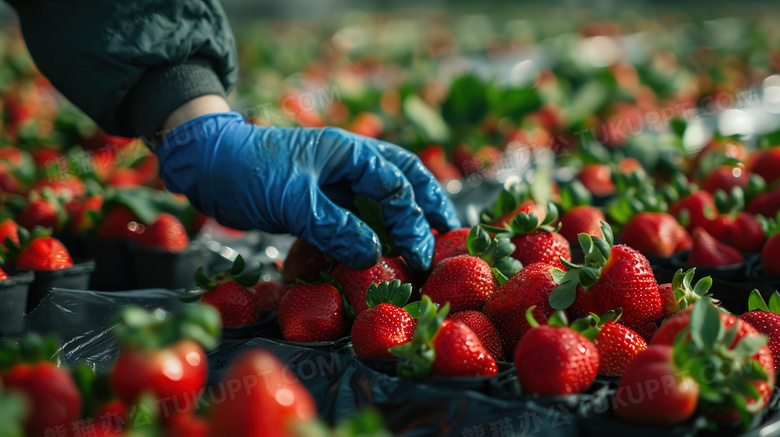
153, 268
13, 295
74, 278
113, 265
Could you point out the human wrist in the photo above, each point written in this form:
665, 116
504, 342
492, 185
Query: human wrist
197, 107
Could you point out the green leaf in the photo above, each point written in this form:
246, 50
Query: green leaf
606, 231
586, 242
495, 230
238, 266
703, 286
558, 319
413, 309
477, 241
467, 102
756, 302
558, 275
507, 267
749, 345
563, 296
248, 279
706, 326
393, 293
745, 388
774, 302
589, 276
603, 247
202, 280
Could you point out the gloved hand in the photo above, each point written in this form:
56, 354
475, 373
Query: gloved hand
248, 176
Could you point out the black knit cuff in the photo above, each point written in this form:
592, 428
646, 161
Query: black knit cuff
163, 90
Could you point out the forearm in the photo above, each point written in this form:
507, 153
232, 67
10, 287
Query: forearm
209, 104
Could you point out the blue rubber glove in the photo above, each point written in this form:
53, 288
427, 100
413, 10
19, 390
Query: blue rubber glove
248, 176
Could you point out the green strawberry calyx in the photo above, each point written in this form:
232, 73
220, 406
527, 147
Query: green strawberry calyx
730, 204
12, 250
418, 355
724, 374
587, 326
495, 252
30, 349
597, 252
756, 302
389, 292
770, 226
685, 293
512, 195
234, 273
137, 328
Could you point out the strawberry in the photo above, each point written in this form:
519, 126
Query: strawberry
311, 313
385, 323
617, 344
43, 210
186, 425
354, 283
82, 217
766, 320
269, 294
67, 189
655, 234
639, 398
270, 401
120, 223
742, 232
646, 331
485, 330
528, 207
766, 204
765, 164
367, 124
741, 383
612, 277
706, 251
531, 287
38, 251
597, 178
8, 181
434, 159
230, 294
3, 275
448, 245
443, 347
769, 258
680, 293
726, 177
467, 281
165, 233
694, 210
554, 359
581, 219
8, 229
125, 177
537, 241
304, 262
727, 148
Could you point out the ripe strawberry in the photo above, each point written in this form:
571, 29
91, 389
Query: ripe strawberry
743, 357
741, 231
273, 405
769, 258
597, 178
43, 210
311, 313
617, 344
385, 323
694, 210
485, 330
186, 425
304, 262
8, 229
765, 164
611, 277
448, 245
709, 252
467, 281
457, 351
367, 124
82, 217
554, 359
766, 204
231, 294
531, 287
125, 177
67, 189
639, 398
537, 241
38, 251
646, 331
269, 294
528, 207
766, 320
8, 181
726, 147
354, 283
655, 234
120, 223
166, 233
581, 219
726, 177
680, 293
434, 159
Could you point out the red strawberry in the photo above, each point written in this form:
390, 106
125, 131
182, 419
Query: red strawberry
725, 178
611, 277
769, 255
231, 294
694, 210
597, 178
434, 159
269, 294
655, 234
734, 348
367, 124
765, 164
166, 233
8, 229
82, 217
304, 262
766, 320
3, 275
385, 323
467, 281
680, 293
529, 288
125, 177
186, 425
528, 207
581, 219
120, 223
8, 181
457, 351
537, 241
270, 400
311, 313
43, 210
640, 398
646, 331
38, 251
354, 283
709, 252
766, 204
448, 245
485, 330
741, 231
555, 360
67, 189
617, 344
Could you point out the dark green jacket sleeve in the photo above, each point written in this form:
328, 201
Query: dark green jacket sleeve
129, 63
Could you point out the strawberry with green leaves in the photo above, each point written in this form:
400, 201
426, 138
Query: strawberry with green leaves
612, 276
467, 281
694, 210
680, 293
385, 323
584, 218
706, 251
453, 243
37, 251
485, 330
166, 233
538, 241
655, 234
311, 313
617, 344
766, 319
44, 209
354, 283
231, 293
555, 359
8, 229
304, 262
733, 226
443, 347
